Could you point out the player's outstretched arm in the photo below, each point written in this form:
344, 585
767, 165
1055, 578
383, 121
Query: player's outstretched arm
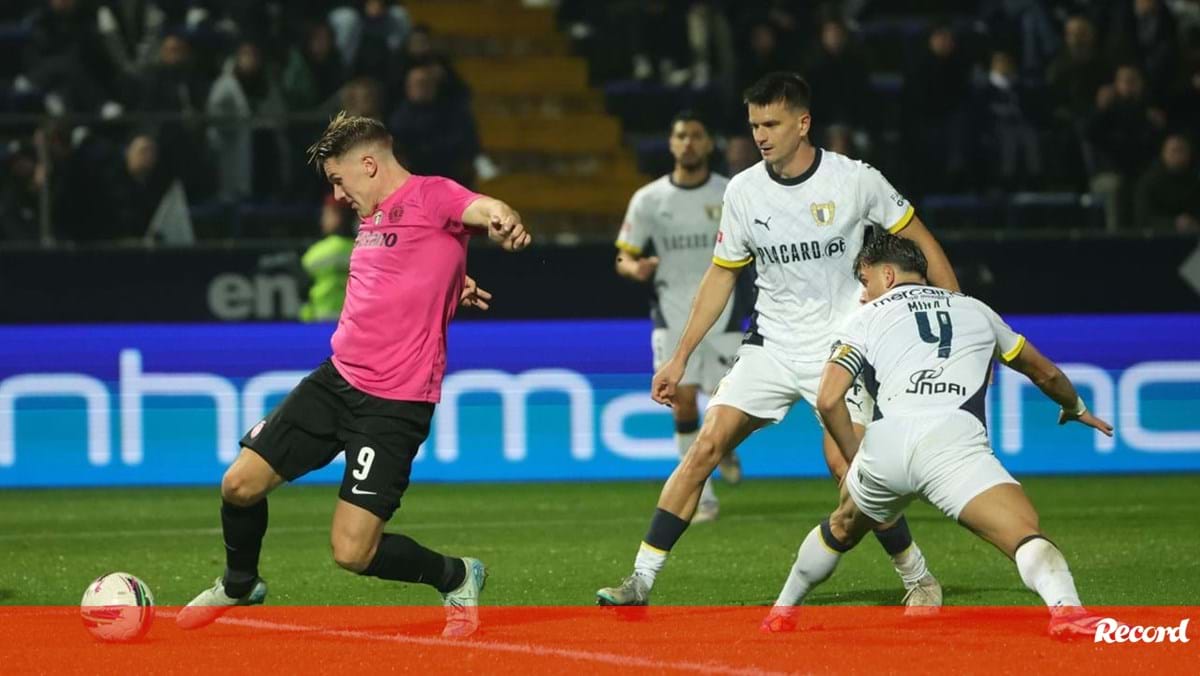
711, 296
503, 223
1055, 384
637, 268
831, 405
940, 274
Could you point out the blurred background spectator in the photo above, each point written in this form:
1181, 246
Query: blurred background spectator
1168, 194
327, 264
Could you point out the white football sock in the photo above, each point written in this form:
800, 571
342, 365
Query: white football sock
815, 562
910, 565
649, 561
1044, 570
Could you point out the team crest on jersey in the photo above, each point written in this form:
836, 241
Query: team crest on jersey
713, 211
823, 213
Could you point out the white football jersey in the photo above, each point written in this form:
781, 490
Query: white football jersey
925, 350
679, 225
803, 234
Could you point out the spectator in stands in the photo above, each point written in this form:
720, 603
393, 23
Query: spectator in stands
135, 190
840, 139
1078, 71
252, 158
1013, 149
369, 33
131, 30
710, 37
364, 97
435, 135
1121, 135
1145, 34
65, 58
173, 83
791, 21
1023, 29
762, 54
20, 194
1168, 194
419, 48
658, 29
935, 122
314, 71
837, 74
327, 264
740, 153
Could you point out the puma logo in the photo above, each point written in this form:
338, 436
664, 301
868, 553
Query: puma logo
766, 224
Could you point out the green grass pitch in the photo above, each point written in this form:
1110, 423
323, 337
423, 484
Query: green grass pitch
1130, 540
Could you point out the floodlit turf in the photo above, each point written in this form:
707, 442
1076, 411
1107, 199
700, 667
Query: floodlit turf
1129, 540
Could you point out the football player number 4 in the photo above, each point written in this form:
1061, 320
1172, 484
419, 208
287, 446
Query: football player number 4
944, 335
366, 456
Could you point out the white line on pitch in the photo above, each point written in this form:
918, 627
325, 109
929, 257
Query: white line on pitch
514, 648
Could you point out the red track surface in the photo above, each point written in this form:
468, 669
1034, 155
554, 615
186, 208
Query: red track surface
587, 640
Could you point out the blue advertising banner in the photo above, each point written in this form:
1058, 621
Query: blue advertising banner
531, 400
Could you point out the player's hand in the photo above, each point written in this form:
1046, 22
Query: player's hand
1086, 418
646, 267
505, 228
473, 296
662, 388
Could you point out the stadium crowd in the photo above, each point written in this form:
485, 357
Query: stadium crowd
216, 97
135, 108
1097, 97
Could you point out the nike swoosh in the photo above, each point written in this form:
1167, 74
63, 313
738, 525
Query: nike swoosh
354, 490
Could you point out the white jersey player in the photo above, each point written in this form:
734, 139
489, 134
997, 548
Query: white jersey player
926, 354
800, 216
667, 238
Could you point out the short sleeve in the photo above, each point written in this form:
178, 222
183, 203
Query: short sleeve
885, 206
1008, 342
849, 349
446, 201
732, 249
636, 229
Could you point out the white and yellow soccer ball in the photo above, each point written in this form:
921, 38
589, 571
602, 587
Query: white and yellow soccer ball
117, 607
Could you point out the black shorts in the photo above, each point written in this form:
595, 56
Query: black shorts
324, 415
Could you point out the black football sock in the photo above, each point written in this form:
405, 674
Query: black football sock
244, 528
402, 559
665, 530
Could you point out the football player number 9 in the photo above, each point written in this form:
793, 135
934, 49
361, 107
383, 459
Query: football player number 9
366, 456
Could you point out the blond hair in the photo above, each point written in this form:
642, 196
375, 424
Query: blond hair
343, 133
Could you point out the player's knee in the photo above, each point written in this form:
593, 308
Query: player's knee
350, 554
703, 456
841, 526
239, 489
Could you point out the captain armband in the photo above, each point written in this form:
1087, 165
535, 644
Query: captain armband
847, 357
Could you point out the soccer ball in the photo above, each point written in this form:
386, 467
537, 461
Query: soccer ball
117, 607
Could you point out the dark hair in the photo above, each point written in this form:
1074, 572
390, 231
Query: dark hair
343, 133
784, 86
886, 248
689, 115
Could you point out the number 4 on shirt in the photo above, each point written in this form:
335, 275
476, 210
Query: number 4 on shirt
944, 335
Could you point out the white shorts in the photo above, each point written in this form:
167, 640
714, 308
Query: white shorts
945, 459
765, 386
712, 358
